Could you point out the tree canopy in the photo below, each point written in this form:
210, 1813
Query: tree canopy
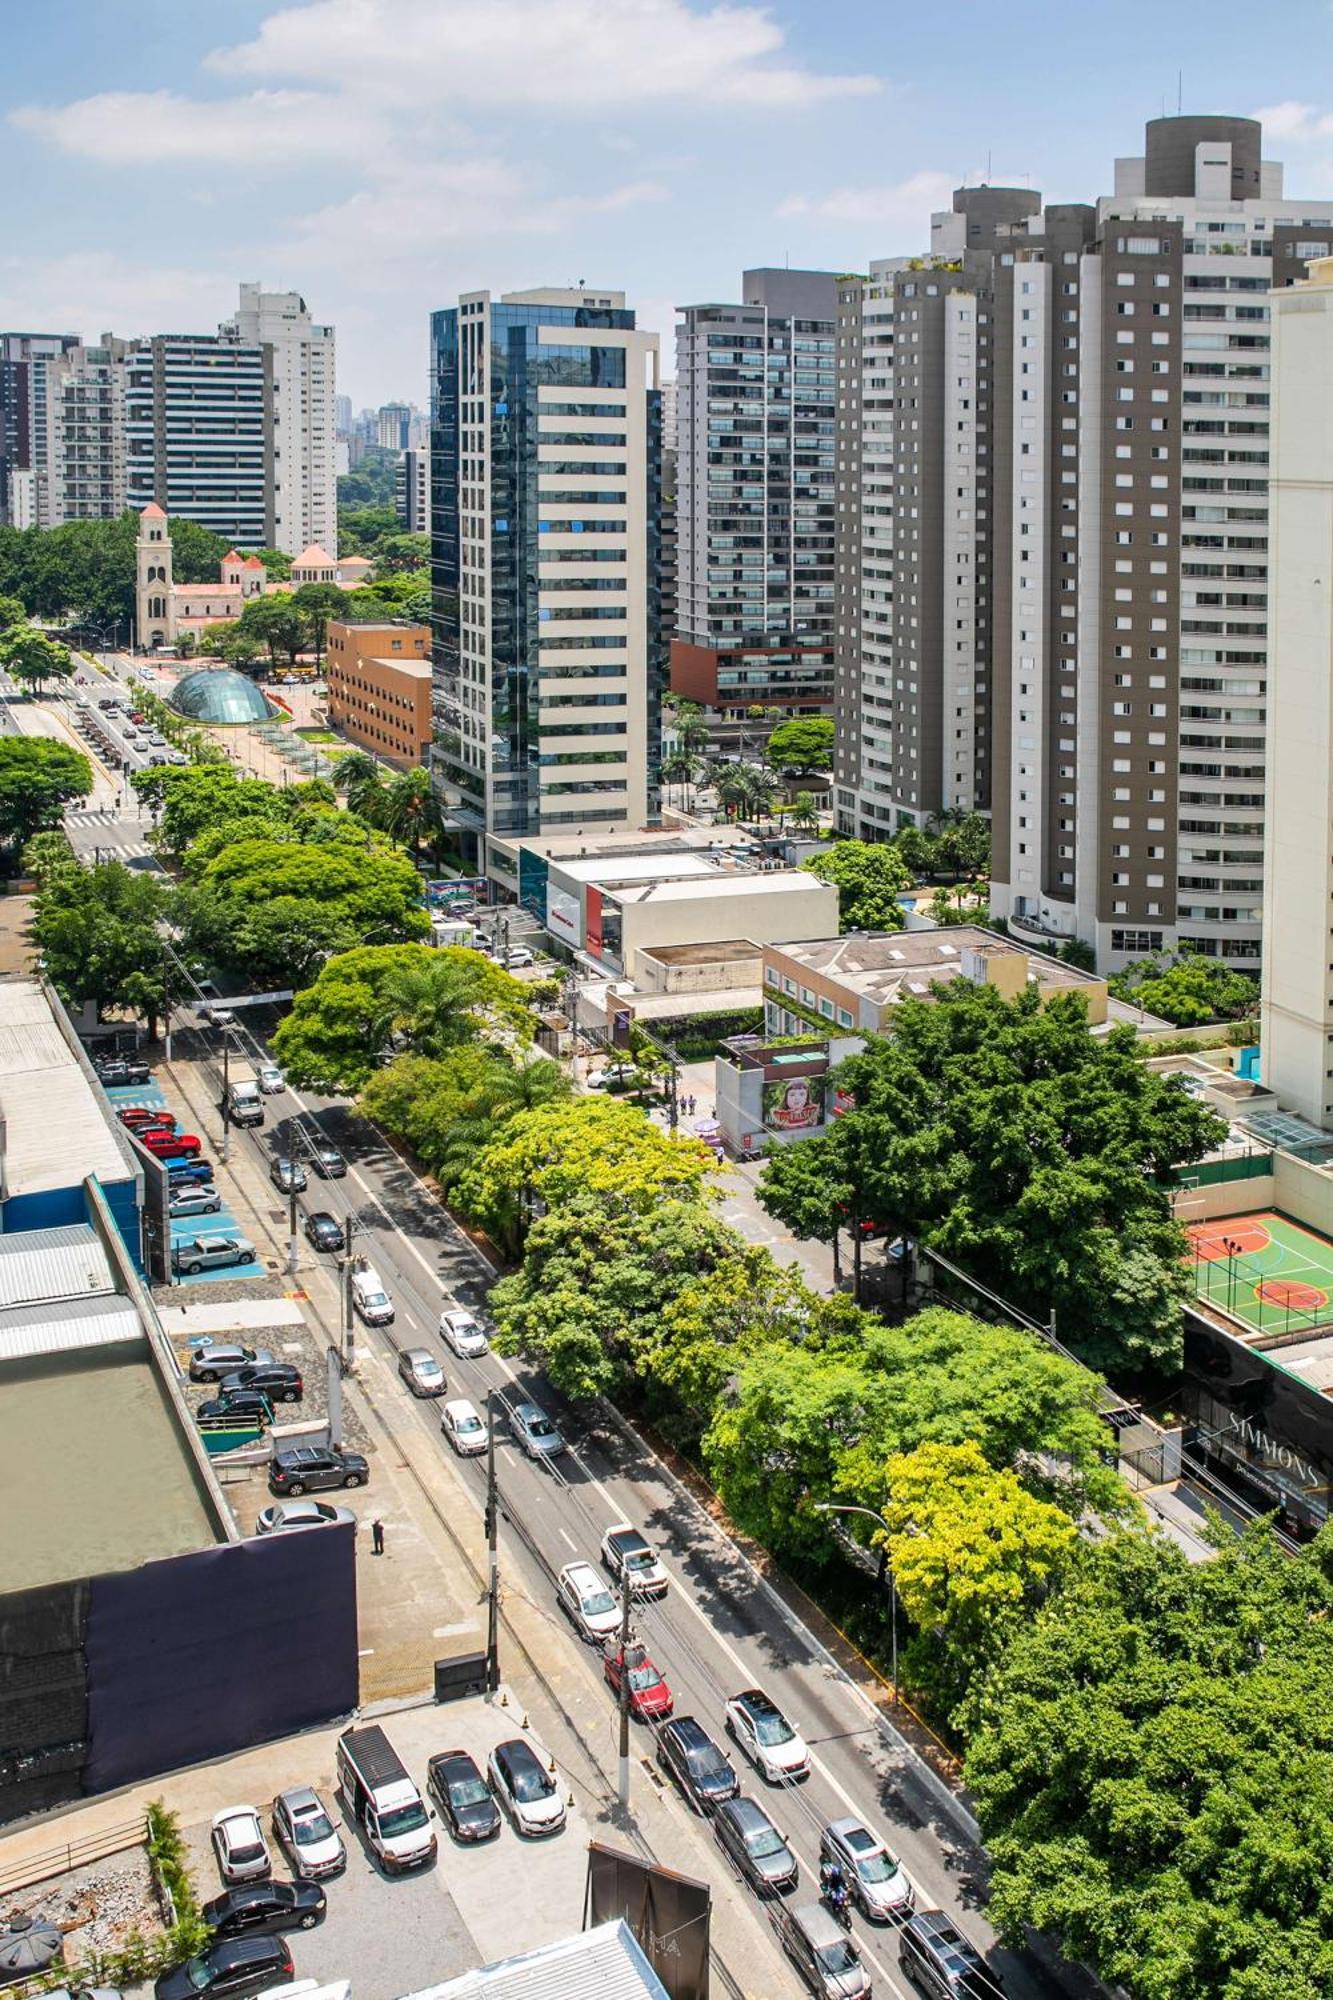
1033, 1153
38, 778
30, 656
1188, 989
1152, 1764
803, 744
99, 932
86, 569
870, 876
449, 1107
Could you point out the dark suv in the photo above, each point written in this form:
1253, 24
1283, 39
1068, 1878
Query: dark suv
756, 1850
313, 1468
277, 1380
232, 1966
940, 1961
687, 1753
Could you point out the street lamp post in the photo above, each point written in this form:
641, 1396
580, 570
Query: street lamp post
886, 1568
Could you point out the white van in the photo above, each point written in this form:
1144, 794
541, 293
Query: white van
369, 1299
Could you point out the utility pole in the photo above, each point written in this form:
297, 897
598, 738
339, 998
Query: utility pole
492, 1553
166, 997
626, 1595
226, 1100
349, 1336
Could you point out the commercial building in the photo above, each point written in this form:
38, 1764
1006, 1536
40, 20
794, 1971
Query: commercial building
1296, 1025
84, 477
379, 680
545, 518
1131, 665
25, 359
853, 983
394, 423
411, 492
199, 425
299, 360
756, 422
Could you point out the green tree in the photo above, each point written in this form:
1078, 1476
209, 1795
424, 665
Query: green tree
38, 778
1188, 989
339, 1027
916, 850
972, 1554
1152, 1764
360, 777
12, 613
411, 810
803, 745
30, 656
448, 1108
46, 855
870, 877
317, 603
401, 555
446, 996
680, 768
691, 726
804, 814
99, 931
238, 647
745, 791
277, 563
279, 623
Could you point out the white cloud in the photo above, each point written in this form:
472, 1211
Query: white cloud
902, 204
1293, 121
126, 128
92, 292
558, 53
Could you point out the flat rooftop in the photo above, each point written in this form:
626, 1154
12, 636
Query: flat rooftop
413, 670
738, 882
879, 964
726, 952
56, 1131
92, 1465
629, 840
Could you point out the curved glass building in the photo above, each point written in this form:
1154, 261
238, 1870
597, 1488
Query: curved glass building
220, 694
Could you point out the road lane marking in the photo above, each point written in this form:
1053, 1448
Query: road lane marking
569, 1541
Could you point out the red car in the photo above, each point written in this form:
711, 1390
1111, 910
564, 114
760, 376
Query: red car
650, 1699
169, 1145
139, 1116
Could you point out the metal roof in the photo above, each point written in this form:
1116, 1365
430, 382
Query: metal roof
42, 1266
602, 1964
26, 1331
57, 1130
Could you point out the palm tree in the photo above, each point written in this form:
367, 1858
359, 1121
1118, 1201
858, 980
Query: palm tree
509, 1087
432, 1002
360, 779
680, 768
804, 812
411, 809
691, 726
753, 791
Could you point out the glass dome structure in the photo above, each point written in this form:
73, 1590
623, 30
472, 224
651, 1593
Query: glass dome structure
220, 694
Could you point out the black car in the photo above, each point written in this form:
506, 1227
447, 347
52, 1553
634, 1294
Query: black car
756, 1850
939, 1960
328, 1162
687, 1753
113, 1071
238, 1403
232, 1966
254, 1908
277, 1380
463, 1796
314, 1468
324, 1230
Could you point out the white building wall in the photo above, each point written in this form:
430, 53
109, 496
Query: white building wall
305, 469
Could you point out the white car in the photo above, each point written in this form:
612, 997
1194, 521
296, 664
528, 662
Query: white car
763, 1732
463, 1333
290, 1517
238, 1842
587, 1603
270, 1078
303, 1829
524, 1782
517, 956
463, 1427
614, 1075
633, 1562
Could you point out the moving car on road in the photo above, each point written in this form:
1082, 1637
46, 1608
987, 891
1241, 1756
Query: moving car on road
463, 1796
301, 1826
310, 1468
754, 1847
822, 1952
287, 1173
763, 1732
631, 1561
526, 1789
421, 1372
587, 1603
269, 1078
238, 1842
463, 1426
650, 1699
940, 1961
232, 1967
324, 1230
370, 1299
875, 1878
260, 1908
533, 1431
290, 1517
211, 1253
687, 1753
328, 1163
463, 1333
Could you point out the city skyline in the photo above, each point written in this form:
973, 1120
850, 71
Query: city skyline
284, 155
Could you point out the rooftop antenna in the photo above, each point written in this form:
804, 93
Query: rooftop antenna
1180, 90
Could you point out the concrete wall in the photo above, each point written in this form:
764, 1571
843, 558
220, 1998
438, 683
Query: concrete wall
1303, 1192
809, 909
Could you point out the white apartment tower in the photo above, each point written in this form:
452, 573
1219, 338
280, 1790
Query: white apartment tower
300, 355
1296, 1029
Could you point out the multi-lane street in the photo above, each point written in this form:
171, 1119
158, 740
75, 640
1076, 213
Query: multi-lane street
719, 1629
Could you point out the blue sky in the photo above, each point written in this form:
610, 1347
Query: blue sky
381, 156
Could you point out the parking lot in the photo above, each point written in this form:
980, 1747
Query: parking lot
215, 1226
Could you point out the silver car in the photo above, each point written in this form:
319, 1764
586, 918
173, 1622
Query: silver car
875, 1877
421, 1372
533, 1431
462, 1332
307, 1835
289, 1517
213, 1359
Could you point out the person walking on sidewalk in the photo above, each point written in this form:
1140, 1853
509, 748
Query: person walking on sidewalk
377, 1538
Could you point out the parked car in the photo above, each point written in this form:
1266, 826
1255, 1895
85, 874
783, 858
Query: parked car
650, 1699
136, 1115
464, 1428
421, 1371
189, 1173
239, 1844
197, 1200
287, 1173
518, 956
763, 1732
309, 1468
229, 1968
279, 1380
328, 1163
324, 1230
239, 1404
534, 1432
261, 1908
289, 1517
301, 1826
756, 1850
114, 1072
270, 1078
463, 1796
213, 1359
170, 1145
941, 1961
875, 1877
211, 1253
586, 1602
463, 1333
631, 1561
687, 1753
525, 1788
822, 1952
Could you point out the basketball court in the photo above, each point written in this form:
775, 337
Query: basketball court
1273, 1275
